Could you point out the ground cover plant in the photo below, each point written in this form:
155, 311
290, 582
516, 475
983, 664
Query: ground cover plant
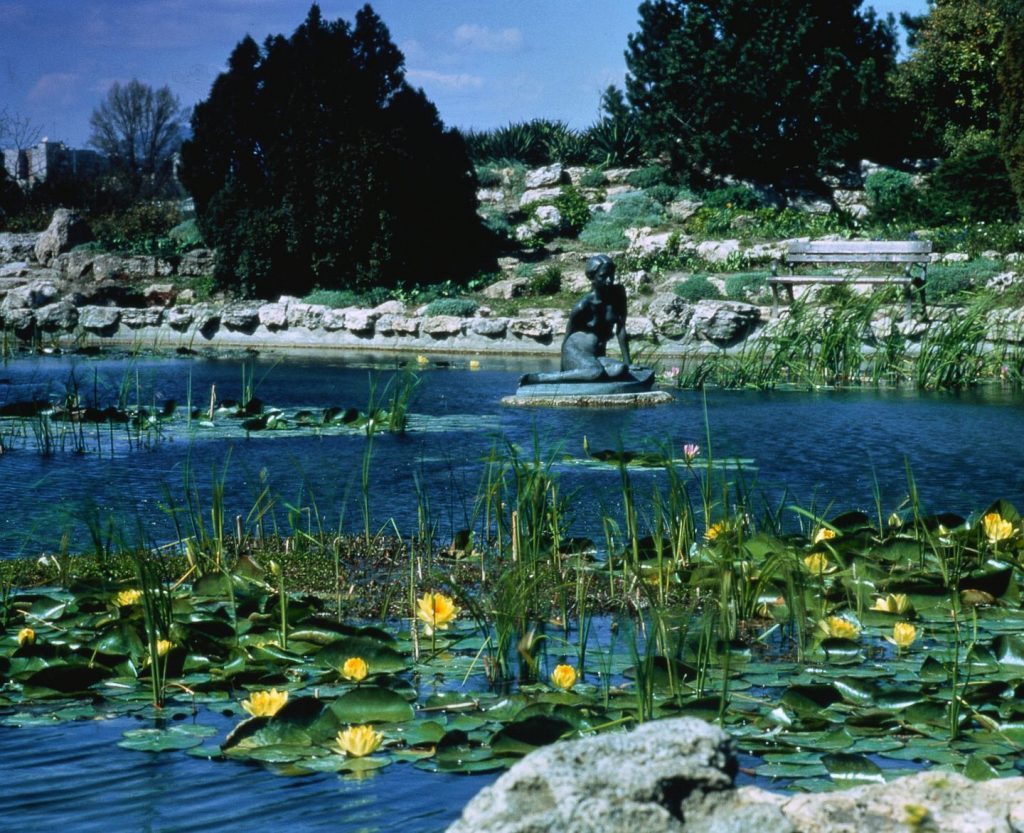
840, 648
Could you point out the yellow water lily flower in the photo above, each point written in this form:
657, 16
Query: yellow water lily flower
824, 534
564, 677
163, 646
892, 603
26, 636
436, 611
838, 627
265, 703
818, 564
903, 635
355, 669
474, 364
996, 527
422, 360
359, 741
715, 530
127, 598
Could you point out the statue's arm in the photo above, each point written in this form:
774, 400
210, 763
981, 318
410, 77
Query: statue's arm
620, 328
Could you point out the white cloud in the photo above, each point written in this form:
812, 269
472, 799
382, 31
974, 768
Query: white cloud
54, 88
450, 81
486, 39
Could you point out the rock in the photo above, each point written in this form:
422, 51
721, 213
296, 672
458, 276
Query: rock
159, 294
138, 317
955, 257
441, 326
242, 316
645, 780
489, 327
576, 173
546, 219
310, 316
99, 320
17, 269
197, 263
337, 319
19, 319
718, 251
617, 176
392, 307
642, 241
398, 325
59, 316
681, 210
724, 322
18, 246
538, 329
636, 282
670, 314
1014, 257
940, 802
639, 326
1001, 282
507, 289
67, 229
206, 318
360, 321
490, 195
179, 318
810, 203
544, 196
35, 294
274, 316
545, 177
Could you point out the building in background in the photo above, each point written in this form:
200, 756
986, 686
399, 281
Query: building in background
30, 166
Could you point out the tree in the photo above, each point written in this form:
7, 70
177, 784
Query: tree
1011, 111
17, 131
950, 78
762, 89
313, 162
139, 129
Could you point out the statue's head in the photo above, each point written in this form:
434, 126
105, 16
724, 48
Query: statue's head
601, 269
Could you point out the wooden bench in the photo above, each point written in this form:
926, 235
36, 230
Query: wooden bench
913, 255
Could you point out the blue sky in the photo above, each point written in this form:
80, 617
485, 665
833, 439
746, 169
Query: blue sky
484, 63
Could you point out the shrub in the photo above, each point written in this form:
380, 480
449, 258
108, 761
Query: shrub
744, 286
574, 209
893, 196
186, 235
334, 298
741, 197
947, 280
663, 194
648, 177
606, 231
697, 288
971, 186
548, 281
461, 307
488, 176
593, 178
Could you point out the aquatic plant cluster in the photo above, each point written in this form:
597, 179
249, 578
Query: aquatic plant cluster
851, 650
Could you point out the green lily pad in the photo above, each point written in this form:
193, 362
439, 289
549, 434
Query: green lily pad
162, 740
852, 769
369, 704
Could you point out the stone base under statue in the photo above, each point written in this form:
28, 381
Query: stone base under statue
568, 397
632, 391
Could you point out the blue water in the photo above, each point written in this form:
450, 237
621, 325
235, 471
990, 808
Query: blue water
828, 450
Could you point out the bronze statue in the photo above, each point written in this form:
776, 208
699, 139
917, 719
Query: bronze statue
594, 319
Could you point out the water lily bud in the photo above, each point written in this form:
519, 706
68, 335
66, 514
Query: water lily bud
564, 677
26, 636
275, 568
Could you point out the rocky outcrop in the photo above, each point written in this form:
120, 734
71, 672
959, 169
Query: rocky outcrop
67, 229
676, 776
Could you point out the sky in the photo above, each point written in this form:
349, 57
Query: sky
484, 63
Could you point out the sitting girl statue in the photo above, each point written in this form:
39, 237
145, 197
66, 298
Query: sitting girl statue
594, 319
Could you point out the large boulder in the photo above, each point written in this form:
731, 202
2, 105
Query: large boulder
545, 177
33, 295
60, 316
649, 780
67, 229
724, 322
670, 314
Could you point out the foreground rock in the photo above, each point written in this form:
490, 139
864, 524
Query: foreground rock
677, 775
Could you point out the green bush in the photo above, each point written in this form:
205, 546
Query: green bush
574, 209
741, 197
606, 230
488, 176
892, 196
186, 235
141, 229
973, 186
593, 178
697, 288
548, 281
648, 177
461, 307
975, 238
744, 286
333, 298
947, 280
663, 194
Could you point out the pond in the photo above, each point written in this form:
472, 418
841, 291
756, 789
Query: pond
827, 452
815, 449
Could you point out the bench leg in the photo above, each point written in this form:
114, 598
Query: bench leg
775, 301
